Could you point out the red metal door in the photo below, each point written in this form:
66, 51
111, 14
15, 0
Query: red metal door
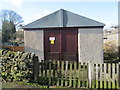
63, 46
52, 44
70, 51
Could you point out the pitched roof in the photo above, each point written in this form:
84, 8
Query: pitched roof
63, 18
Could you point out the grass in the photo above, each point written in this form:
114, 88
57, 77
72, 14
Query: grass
26, 85
105, 84
22, 85
31, 86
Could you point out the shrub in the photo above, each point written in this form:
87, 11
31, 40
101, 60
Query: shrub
110, 51
16, 66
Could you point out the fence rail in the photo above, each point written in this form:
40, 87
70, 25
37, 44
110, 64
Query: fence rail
77, 74
14, 48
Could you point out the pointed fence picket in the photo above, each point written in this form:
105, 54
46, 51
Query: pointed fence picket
106, 76
77, 74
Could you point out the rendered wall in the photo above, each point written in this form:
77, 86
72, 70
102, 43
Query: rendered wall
34, 42
90, 45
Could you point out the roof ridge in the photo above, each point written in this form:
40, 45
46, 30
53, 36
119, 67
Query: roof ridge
61, 17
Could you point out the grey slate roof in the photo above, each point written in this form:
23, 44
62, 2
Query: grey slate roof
63, 18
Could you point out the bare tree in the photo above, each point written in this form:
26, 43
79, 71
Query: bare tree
10, 16
9, 20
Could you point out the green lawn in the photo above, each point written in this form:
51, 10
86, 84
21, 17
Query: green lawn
26, 85
33, 86
21, 85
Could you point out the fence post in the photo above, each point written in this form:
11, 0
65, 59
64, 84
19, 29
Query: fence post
89, 74
35, 69
119, 74
50, 74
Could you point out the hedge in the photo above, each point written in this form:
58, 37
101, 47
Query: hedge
16, 66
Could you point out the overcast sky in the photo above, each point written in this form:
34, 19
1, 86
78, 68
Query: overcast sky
105, 11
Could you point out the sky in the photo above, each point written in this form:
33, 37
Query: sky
105, 11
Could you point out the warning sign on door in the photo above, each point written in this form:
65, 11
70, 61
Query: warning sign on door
52, 40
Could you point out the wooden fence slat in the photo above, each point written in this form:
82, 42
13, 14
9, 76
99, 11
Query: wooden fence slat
54, 70
87, 80
58, 72
49, 72
113, 76
42, 66
117, 78
109, 74
119, 74
75, 67
45, 68
66, 73
83, 75
96, 76
105, 82
101, 79
79, 74
86, 75
70, 78
36, 69
45, 71
62, 72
